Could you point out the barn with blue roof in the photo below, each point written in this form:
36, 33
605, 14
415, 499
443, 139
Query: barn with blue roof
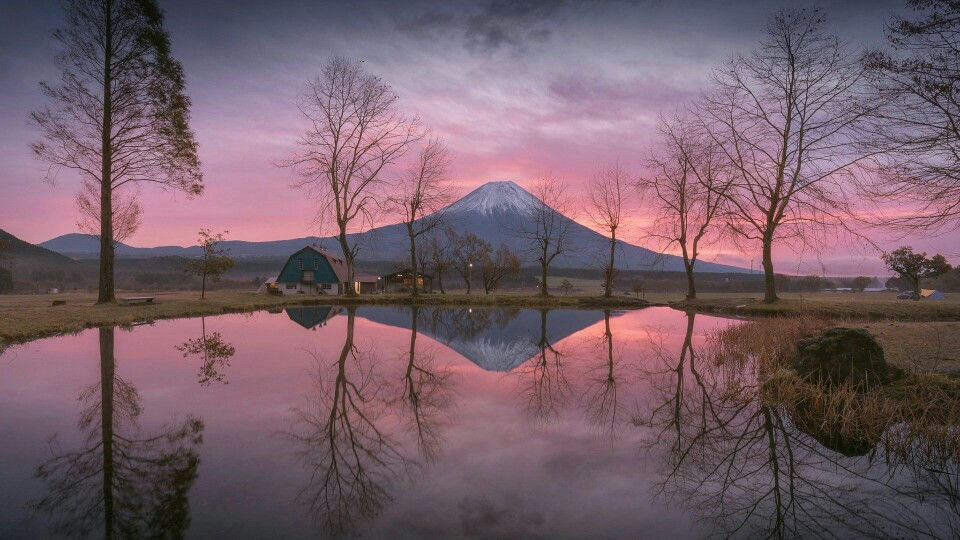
313, 271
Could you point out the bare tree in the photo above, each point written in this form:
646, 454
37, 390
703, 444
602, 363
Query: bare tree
420, 196
469, 250
126, 212
607, 196
495, 267
687, 186
786, 118
354, 133
345, 440
919, 124
427, 394
546, 388
119, 114
548, 226
440, 250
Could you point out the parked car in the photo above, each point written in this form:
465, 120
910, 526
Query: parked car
906, 295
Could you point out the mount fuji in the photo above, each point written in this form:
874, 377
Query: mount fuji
494, 211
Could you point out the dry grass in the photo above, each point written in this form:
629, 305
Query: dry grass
919, 346
872, 306
923, 407
769, 343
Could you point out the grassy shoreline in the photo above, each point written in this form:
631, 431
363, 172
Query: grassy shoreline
27, 317
840, 306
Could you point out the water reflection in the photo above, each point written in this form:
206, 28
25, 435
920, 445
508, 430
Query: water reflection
214, 354
544, 383
120, 482
427, 393
601, 402
312, 317
493, 339
344, 440
733, 455
394, 434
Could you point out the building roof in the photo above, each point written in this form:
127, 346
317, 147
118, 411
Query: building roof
334, 269
365, 278
309, 317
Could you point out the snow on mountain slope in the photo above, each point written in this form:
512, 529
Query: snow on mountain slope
494, 197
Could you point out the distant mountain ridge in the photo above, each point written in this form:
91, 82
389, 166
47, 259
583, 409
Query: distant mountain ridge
22, 257
494, 211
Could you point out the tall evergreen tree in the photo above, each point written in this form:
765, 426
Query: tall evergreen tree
119, 115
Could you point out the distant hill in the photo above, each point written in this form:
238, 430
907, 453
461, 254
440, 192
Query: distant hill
22, 257
494, 211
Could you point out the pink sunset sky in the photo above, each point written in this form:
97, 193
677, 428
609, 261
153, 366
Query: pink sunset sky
517, 90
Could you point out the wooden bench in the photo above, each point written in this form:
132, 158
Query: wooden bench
136, 300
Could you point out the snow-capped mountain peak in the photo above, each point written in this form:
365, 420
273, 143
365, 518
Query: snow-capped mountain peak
495, 197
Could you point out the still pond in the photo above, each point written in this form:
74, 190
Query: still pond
386, 422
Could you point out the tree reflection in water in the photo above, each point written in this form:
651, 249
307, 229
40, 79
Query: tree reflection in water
126, 483
426, 395
600, 399
214, 353
734, 456
544, 382
345, 436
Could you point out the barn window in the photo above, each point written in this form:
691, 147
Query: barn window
300, 262
308, 276
326, 286
291, 286
316, 264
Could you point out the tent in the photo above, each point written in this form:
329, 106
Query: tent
930, 294
270, 283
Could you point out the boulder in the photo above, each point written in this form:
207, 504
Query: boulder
841, 355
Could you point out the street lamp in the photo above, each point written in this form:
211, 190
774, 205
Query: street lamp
469, 277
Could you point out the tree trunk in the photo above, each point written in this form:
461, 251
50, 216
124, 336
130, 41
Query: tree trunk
770, 285
608, 286
691, 285
348, 257
106, 293
440, 280
916, 288
413, 259
543, 281
608, 337
107, 369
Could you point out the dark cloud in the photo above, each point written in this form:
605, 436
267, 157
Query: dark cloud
498, 25
429, 25
513, 25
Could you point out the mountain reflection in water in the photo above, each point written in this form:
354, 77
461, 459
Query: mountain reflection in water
388, 422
